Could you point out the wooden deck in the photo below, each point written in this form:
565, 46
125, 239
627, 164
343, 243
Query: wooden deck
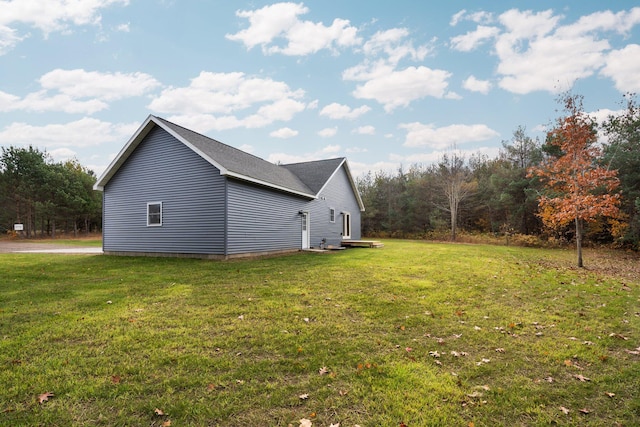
362, 243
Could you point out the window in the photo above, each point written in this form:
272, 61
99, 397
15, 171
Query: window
332, 215
154, 214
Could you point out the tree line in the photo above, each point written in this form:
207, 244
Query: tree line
581, 182
45, 197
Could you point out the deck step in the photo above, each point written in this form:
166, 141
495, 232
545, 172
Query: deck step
362, 243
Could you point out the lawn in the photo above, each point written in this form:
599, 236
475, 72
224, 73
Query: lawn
415, 334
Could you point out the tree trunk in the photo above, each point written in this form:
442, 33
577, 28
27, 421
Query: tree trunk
579, 241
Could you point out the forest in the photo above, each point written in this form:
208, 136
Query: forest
46, 197
581, 184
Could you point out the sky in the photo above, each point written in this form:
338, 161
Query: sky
385, 84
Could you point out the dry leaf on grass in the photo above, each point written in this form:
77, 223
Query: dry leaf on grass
323, 371
565, 410
44, 397
159, 412
584, 411
582, 378
304, 396
305, 423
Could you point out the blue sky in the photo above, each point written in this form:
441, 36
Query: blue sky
382, 83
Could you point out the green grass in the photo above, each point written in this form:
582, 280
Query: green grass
237, 343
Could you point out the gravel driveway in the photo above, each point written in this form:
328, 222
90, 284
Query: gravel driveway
11, 246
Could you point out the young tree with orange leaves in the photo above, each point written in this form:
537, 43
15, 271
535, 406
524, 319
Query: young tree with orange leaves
578, 189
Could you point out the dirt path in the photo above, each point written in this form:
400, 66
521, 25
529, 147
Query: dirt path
11, 246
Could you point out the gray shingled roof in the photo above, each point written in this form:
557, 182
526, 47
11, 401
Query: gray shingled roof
315, 174
240, 162
305, 179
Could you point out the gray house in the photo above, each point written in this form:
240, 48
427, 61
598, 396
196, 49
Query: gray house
172, 191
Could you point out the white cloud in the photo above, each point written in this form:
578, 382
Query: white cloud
400, 88
62, 154
475, 85
392, 43
339, 111
421, 135
622, 70
48, 16
212, 100
79, 83
9, 38
479, 17
321, 154
124, 28
81, 133
284, 133
471, 40
328, 132
281, 21
536, 52
365, 130
79, 91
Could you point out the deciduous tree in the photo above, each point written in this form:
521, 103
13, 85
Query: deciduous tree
578, 189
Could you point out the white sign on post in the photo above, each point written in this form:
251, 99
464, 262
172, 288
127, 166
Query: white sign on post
18, 227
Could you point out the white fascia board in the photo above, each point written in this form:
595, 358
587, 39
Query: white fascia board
269, 185
354, 187
124, 153
223, 171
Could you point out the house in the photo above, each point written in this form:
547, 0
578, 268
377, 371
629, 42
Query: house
174, 192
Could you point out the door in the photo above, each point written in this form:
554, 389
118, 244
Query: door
305, 230
346, 225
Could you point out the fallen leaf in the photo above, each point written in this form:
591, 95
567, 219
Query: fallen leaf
582, 378
610, 394
115, 379
408, 349
241, 317
434, 354
549, 379
500, 350
304, 396
565, 410
474, 394
585, 411
159, 412
323, 370
568, 362
305, 423
622, 337
402, 424
335, 425
166, 423
44, 397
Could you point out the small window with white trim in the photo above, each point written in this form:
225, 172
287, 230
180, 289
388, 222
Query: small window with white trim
154, 214
332, 215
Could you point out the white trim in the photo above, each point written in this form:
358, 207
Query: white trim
306, 230
346, 225
354, 187
146, 127
151, 204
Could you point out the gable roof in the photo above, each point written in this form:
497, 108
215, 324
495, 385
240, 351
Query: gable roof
304, 179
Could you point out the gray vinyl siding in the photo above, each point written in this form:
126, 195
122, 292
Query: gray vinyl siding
262, 220
337, 194
191, 190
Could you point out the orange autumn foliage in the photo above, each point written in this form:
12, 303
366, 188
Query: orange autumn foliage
578, 188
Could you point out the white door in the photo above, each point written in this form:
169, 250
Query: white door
305, 230
346, 225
